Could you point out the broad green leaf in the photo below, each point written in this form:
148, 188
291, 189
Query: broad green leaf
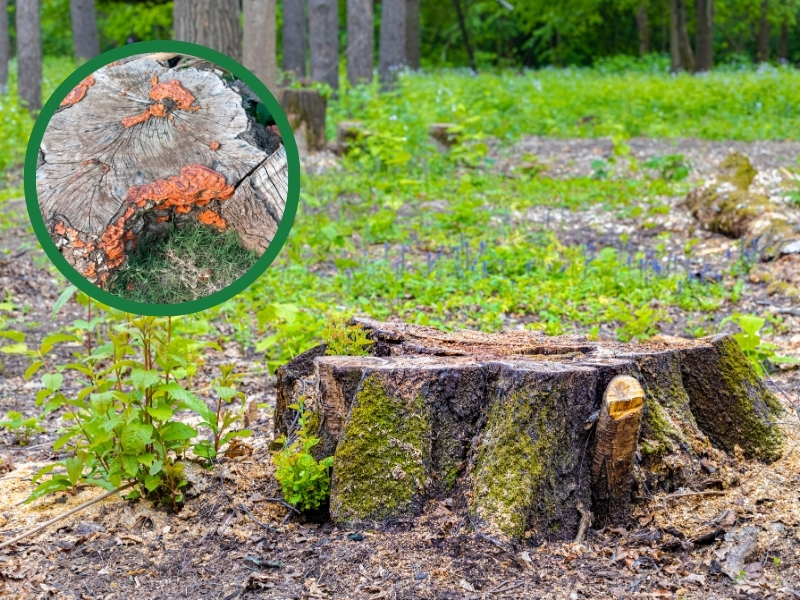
63, 299
201, 408
242, 433
142, 379
17, 336
52, 381
14, 349
177, 432
151, 482
134, 437
162, 413
156, 467
226, 393
130, 463
32, 370
55, 484
146, 459
74, 468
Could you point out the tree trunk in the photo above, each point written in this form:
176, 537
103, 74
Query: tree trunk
392, 49
360, 41
687, 56
462, 24
705, 35
675, 36
643, 27
323, 32
123, 161
294, 37
783, 42
762, 42
5, 47
258, 52
412, 33
305, 109
212, 23
84, 29
501, 423
29, 54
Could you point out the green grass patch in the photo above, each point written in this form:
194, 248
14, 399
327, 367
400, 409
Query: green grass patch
188, 263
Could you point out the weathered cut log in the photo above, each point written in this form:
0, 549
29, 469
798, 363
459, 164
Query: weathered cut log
504, 422
138, 146
726, 205
616, 439
305, 109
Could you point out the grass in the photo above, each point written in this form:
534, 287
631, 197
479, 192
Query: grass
188, 263
402, 231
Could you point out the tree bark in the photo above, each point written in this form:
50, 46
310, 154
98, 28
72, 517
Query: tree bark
294, 37
412, 33
84, 29
139, 147
675, 36
5, 47
643, 28
360, 41
462, 24
29, 54
212, 23
392, 49
687, 56
705, 35
323, 32
258, 52
783, 42
501, 423
762, 42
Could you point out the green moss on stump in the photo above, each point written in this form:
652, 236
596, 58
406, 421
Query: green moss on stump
511, 460
381, 463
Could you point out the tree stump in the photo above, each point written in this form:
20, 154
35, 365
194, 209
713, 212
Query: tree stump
139, 146
305, 109
522, 430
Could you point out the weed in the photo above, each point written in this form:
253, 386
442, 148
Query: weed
23, 427
304, 480
342, 339
672, 167
757, 351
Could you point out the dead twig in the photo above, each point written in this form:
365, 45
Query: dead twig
78, 508
256, 521
586, 521
497, 543
284, 504
785, 395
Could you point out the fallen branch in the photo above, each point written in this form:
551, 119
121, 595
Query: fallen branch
79, 508
586, 521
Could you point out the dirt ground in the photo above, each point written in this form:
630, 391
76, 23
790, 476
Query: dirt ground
234, 539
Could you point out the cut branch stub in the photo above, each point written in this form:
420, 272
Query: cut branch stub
137, 146
503, 422
616, 440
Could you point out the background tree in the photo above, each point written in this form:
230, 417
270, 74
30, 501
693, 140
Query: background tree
762, 42
29, 54
323, 37
643, 29
392, 50
412, 33
84, 29
5, 46
705, 35
212, 23
258, 52
294, 37
360, 41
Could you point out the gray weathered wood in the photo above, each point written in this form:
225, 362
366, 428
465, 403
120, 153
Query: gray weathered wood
360, 41
5, 47
258, 53
212, 23
323, 34
392, 48
294, 37
139, 144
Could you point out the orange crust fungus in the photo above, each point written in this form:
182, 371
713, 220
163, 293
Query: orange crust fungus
209, 217
111, 242
172, 90
195, 186
78, 92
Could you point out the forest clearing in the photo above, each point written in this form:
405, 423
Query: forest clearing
535, 333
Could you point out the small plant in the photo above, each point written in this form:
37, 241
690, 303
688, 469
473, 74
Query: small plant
757, 351
23, 427
345, 340
672, 167
304, 480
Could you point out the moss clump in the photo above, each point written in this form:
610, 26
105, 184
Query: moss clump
659, 432
737, 170
511, 460
381, 463
749, 407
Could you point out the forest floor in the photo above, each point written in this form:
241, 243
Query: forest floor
231, 540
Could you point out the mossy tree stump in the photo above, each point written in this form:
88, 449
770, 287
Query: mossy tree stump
510, 424
150, 142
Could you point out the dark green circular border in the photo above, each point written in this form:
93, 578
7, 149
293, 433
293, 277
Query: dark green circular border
32, 200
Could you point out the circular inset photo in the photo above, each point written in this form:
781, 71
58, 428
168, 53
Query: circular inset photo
162, 178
